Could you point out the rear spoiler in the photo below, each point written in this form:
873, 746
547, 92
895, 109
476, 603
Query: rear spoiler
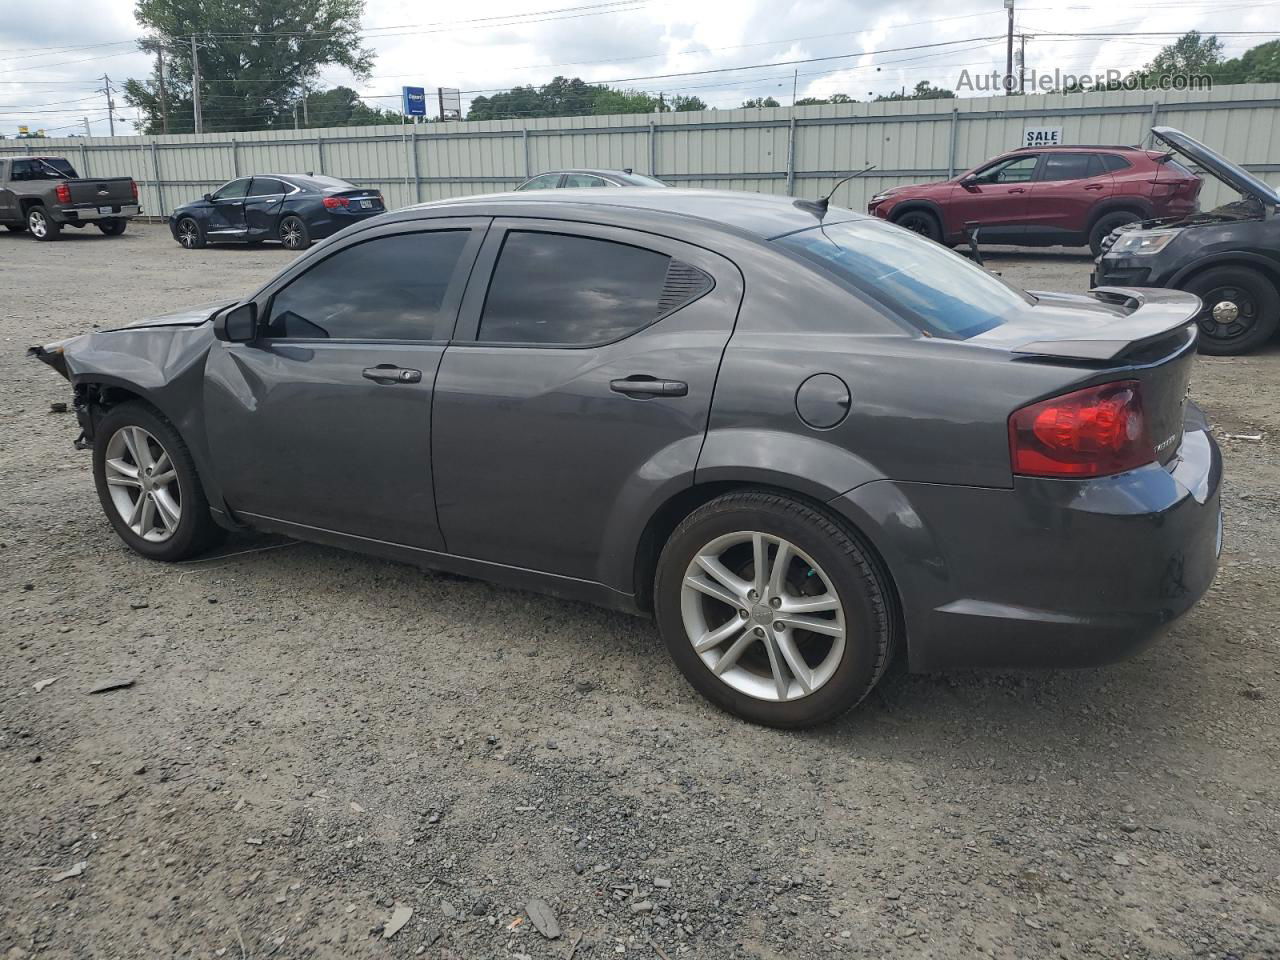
1150, 314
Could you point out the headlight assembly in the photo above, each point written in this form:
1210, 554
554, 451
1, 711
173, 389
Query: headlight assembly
1140, 243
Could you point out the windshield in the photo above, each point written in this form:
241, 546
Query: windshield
939, 291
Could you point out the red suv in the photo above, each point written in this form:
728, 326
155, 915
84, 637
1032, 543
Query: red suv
1046, 196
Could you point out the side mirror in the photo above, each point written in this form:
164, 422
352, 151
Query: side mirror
208, 197
237, 325
970, 180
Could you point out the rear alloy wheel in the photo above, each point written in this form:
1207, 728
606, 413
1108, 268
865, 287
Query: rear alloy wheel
293, 233
148, 486
1106, 225
772, 611
189, 234
922, 222
41, 226
1241, 309
112, 228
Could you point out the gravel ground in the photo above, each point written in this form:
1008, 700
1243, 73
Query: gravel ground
315, 739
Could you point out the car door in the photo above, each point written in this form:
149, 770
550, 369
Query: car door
578, 384
226, 210
262, 205
1066, 189
324, 421
994, 198
8, 201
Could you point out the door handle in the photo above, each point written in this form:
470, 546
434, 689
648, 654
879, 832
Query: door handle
1093, 186
390, 373
1017, 190
642, 387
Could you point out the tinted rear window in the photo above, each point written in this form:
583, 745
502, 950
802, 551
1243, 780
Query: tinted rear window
555, 288
930, 286
1114, 161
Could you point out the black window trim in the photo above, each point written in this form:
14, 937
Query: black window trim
449, 307
467, 332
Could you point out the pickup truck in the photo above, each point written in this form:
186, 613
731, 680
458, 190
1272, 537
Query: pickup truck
45, 194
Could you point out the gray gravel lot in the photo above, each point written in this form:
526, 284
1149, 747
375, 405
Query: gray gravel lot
314, 738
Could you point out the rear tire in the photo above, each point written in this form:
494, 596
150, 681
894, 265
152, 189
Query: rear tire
828, 582
1241, 309
138, 455
294, 233
43, 227
1107, 223
112, 228
922, 222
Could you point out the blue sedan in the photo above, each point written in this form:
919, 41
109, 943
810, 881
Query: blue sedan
295, 209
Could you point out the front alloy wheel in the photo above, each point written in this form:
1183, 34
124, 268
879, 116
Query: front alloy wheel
189, 234
143, 484
762, 616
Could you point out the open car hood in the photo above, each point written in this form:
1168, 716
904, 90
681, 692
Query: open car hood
1232, 174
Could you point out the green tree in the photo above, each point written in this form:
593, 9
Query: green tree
681, 104
924, 90
573, 97
342, 107
1260, 64
1190, 53
257, 57
760, 102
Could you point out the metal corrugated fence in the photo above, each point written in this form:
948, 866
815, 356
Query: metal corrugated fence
799, 151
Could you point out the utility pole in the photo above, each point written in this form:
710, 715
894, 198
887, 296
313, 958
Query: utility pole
87, 132
111, 107
795, 82
164, 100
306, 120
1022, 64
1008, 71
195, 83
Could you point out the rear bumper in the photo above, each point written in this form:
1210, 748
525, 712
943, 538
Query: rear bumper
91, 214
1050, 573
327, 226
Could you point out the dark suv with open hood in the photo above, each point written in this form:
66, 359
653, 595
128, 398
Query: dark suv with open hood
1229, 256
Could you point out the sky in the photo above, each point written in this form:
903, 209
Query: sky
54, 53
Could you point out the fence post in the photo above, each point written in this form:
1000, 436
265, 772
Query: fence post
951, 148
653, 149
791, 157
235, 159
527, 172
417, 179
319, 154
84, 161
155, 165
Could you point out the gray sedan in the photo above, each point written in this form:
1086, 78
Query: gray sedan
799, 437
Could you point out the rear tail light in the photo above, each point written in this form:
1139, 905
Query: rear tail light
133, 188
63, 193
333, 203
1092, 432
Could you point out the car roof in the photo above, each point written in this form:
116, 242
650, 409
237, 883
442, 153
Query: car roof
1082, 146
762, 215
595, 171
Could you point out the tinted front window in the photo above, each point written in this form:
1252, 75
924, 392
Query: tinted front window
938, 290
556, 288
391, 288
233, 190
1014, 170
1070, 166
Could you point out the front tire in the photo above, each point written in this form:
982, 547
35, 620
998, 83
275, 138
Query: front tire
294, 234
112, 228
1241, 309
1106, 225
773, 611
190, 234
148, 485
42, 226
922, 222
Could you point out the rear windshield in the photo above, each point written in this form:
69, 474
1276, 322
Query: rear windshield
42, 168
640, 180
932, 287
320, 182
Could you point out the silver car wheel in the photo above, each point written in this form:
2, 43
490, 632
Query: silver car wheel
763, 616
291, 234
143, 484
37, 223
188, 233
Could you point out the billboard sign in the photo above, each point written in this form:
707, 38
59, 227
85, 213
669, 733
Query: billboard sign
414, 101
450, 103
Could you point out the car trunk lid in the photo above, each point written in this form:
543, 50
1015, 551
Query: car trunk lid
359, 200
1115, 333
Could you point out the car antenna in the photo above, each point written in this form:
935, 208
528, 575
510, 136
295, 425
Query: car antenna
820, 205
